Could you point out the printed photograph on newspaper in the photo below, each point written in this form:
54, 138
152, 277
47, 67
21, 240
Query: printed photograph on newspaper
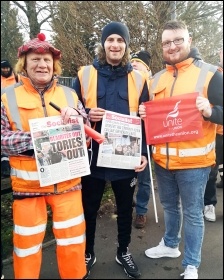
122, 145
60, 150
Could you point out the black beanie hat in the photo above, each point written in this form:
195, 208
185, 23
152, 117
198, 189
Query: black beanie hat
115, 28
5, 63
142, 56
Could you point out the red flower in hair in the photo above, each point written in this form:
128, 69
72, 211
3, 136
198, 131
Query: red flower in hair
41, 36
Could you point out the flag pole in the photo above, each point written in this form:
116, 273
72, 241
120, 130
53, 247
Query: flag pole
152, 184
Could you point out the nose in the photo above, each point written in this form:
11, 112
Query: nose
42, 63
172, 45
115, 43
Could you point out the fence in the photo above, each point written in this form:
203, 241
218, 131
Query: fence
66, 81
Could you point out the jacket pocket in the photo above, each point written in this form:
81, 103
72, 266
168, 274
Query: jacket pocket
158, 91
101, 100
27, 111
122, 102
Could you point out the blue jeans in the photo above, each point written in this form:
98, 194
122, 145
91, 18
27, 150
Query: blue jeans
181, 194
143, 193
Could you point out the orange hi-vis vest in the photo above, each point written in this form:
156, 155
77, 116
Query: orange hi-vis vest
22, 102
219, 129
5, 82
191, 76
88, 81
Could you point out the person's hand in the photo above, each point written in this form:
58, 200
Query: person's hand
141, 167
204, 106
142, 111
67, 112
96, 114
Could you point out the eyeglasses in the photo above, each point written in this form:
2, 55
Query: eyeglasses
176, 42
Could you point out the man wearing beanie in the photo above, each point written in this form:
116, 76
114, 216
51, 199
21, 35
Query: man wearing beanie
7, 76
110, 83
38, 65
141, 61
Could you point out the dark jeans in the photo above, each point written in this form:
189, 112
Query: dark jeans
210, 191
92, 192
5, 166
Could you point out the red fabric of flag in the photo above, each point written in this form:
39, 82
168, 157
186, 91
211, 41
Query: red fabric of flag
173, 119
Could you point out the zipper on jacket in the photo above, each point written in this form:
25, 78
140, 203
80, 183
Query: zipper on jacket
46, 115
175, 75
43, 103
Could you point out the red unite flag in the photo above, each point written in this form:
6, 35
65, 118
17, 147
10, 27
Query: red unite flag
173, 119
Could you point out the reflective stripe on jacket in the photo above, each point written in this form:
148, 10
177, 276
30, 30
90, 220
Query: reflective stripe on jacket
185, 77
23, 102
88, 81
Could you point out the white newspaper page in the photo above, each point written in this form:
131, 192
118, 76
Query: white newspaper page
123, 140
60, 150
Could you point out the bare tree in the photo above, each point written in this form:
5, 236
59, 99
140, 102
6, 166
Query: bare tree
82, 21
11, 38
37, 13
77, 26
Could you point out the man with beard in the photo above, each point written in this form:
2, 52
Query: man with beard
7, 78
182, 167
110, 83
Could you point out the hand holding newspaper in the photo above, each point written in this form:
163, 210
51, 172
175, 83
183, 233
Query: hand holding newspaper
88, 130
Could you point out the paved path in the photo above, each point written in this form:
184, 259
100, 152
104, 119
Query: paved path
105, 249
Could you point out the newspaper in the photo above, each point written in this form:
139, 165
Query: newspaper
123, 141
60, 150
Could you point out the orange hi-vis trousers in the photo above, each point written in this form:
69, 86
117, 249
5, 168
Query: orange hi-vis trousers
30, 220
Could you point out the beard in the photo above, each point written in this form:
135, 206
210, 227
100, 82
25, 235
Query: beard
6, 74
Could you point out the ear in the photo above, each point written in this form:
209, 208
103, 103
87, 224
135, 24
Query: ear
190, 40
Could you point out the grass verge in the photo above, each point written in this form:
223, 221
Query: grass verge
7, 220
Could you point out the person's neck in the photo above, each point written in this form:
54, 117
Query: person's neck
114, 65
41, 88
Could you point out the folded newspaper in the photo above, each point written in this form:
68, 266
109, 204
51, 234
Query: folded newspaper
123, 141
60, 150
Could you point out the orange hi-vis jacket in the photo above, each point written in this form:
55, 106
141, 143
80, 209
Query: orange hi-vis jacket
8, 81
185, 77
23, 102
219, 129
88, 81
